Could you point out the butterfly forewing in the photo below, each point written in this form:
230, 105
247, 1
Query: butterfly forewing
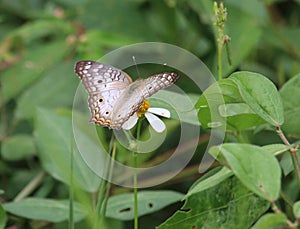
97, 77
140, 90
104, 85
157, 82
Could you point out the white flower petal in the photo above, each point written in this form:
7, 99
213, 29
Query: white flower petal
130, 122
160, 111
155, 122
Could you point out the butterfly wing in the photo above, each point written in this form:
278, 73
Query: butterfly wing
104, 85
137, 92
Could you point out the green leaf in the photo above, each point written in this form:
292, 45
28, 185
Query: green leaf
287, 164
209, 182
45, 209
53, 133
270, 221
18, 147
3, 217
261, 95
296, 209
290, 95
276, 149
226, 205
222, 102
257, 169
34, 63
62, 87
122, 206
208, 105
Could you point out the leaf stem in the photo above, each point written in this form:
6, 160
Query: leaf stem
293, 152
277, 210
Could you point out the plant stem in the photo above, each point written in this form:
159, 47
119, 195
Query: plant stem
71, 203
135, 189
220, 67
277, 210
293, 152
220, 18
111, 167
100, 211
31, 186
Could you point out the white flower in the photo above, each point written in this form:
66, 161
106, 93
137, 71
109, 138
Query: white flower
149, 112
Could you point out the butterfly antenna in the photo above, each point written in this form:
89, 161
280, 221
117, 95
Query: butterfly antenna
136, 67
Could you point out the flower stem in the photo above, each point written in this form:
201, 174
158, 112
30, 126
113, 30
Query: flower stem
135, 189
220, 18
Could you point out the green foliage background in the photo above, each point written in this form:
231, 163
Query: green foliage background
41, 40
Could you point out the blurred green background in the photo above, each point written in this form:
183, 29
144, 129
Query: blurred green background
41, 40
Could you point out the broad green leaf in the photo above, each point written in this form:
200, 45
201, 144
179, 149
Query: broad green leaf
271, 221
226, 205
122, 206
209, 182
287, 164
208, 105
261, 95
45, 209
53, 134
222, 102
63, 82
257, 169
290, 95
3, 217
296, 209
34, 63
276, 149
18, 147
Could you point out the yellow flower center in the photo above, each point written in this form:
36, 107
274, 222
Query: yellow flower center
143, 108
